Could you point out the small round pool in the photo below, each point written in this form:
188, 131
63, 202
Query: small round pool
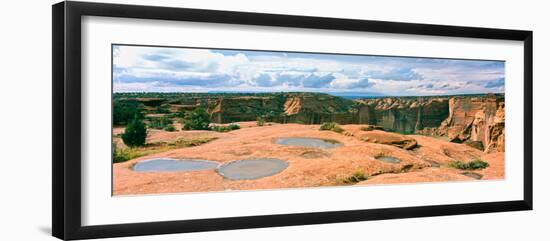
388, 159
251, 168
308, 142
173, 165
472, 175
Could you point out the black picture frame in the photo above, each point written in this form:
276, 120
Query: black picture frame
66, 141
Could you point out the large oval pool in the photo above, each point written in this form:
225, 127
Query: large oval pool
308, 142
251, 168
173, 165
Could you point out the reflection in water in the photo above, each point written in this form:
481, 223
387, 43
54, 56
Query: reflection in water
472, 175
173, 165
251, 168
308, 142
389, 159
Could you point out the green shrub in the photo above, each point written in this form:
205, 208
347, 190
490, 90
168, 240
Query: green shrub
327, 126
159, 123
260, 121
472, 165
372, 128
331, 126
478, 164
354, 178
219, 128
227, 128
198, 119
170, 128
123, 155
458, 165
162, 109
195, 141
135, 133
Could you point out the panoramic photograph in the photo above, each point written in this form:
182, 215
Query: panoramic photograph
187, 120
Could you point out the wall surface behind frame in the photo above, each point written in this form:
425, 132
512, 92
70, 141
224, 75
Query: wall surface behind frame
25, 180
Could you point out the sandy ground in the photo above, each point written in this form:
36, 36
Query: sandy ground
308, 167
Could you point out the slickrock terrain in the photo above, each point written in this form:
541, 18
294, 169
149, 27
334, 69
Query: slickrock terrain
388, 138
427, 161
382, 140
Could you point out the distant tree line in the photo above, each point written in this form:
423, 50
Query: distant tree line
126, 111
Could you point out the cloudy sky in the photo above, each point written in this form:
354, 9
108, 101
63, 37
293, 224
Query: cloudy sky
160, 69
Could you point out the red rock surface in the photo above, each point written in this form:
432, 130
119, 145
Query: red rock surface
308, 167
387, 138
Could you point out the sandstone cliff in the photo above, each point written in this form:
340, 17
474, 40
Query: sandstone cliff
404, 114
305, 108
475, 120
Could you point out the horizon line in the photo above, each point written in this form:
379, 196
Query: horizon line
269, 92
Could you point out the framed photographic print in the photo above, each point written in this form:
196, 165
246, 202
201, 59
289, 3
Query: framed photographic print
170, 120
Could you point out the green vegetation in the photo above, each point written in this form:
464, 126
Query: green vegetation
122, 155
125, 154
150, 101
331, 126
227, 128
260, 121
126, 111
135, 133
354, 178
186, 142
159, 122
309, 108
472, 165
170, 128
163, 109
274, 107
372, 128
198, 119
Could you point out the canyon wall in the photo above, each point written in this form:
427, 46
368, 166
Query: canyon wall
404, 114
475, 120
305, 108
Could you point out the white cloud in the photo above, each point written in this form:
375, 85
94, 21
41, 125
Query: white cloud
184, 69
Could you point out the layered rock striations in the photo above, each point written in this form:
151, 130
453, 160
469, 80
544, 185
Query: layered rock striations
304, 108
404, 114
476, 120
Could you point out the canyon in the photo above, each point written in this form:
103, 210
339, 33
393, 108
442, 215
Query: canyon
475, 120
378, 140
